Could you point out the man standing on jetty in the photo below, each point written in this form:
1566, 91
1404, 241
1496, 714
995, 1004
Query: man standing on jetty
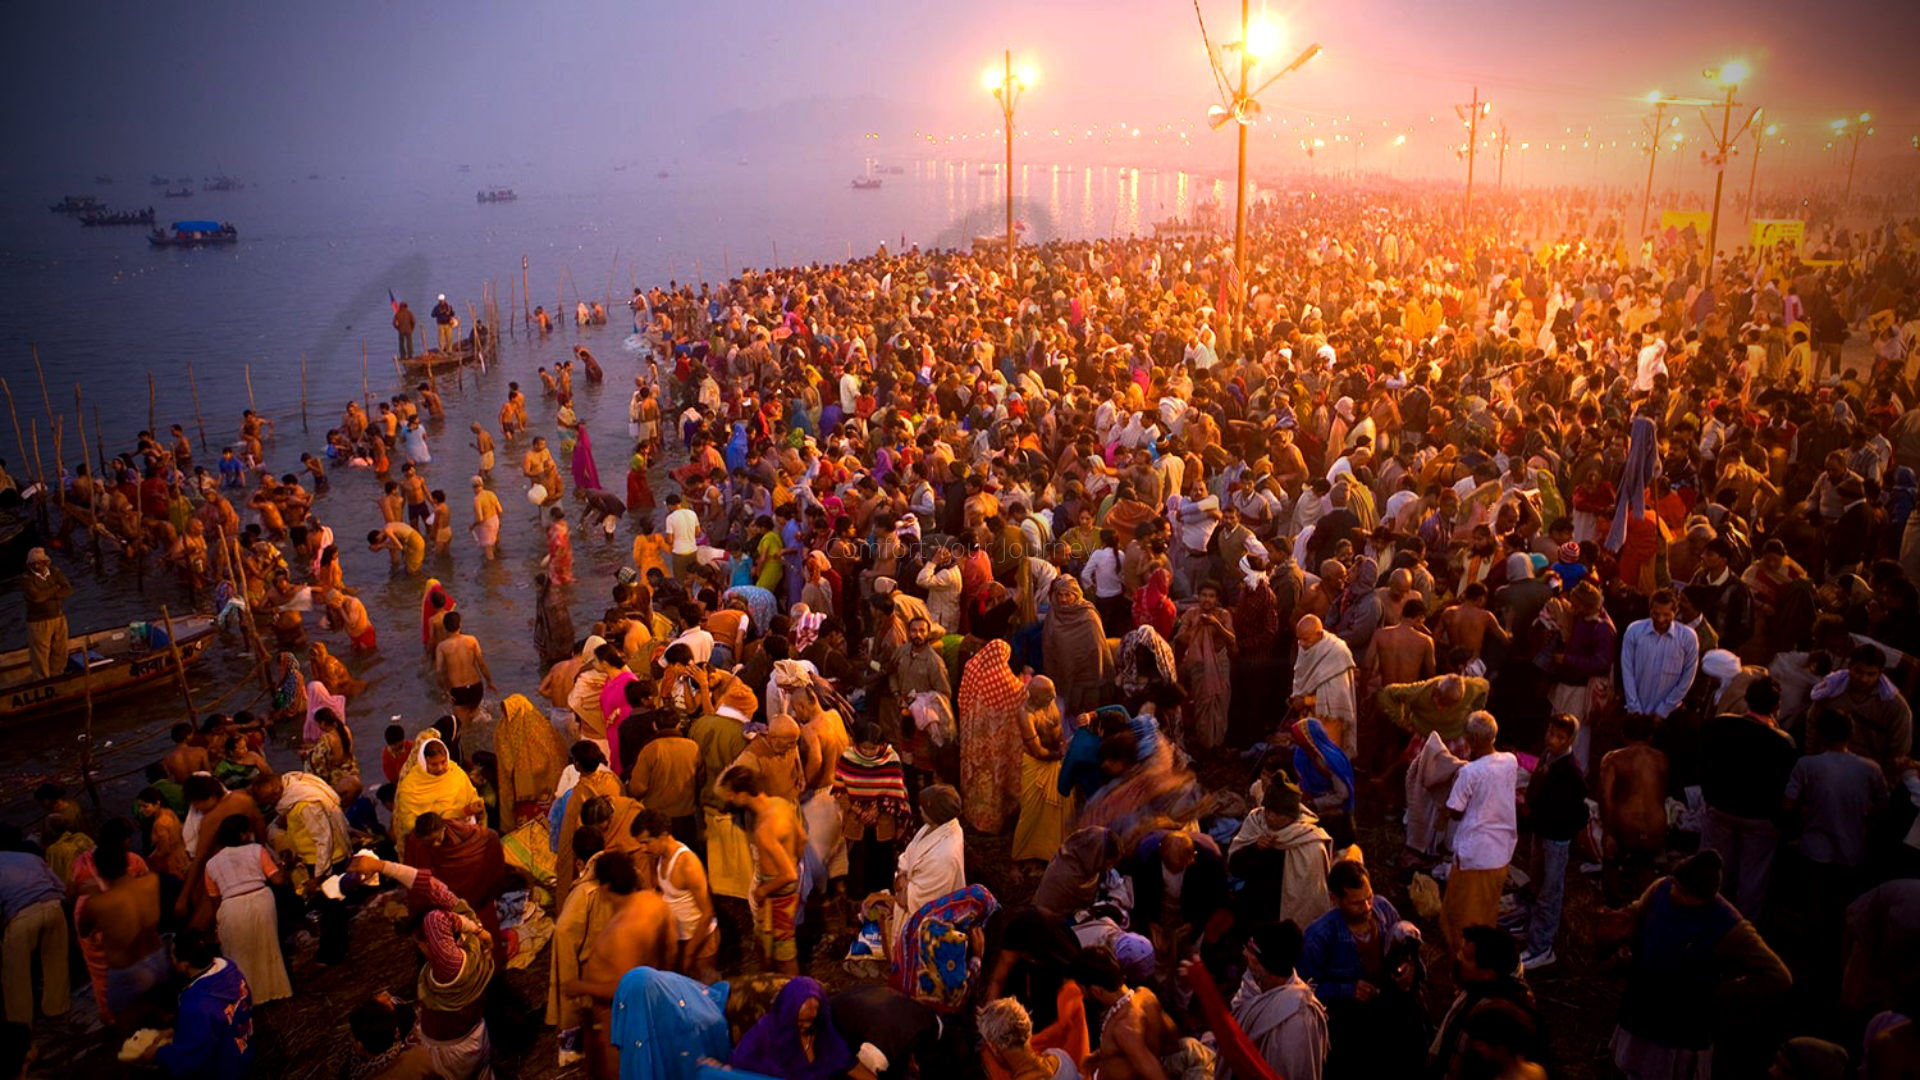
443, 315
44, 588
403, 325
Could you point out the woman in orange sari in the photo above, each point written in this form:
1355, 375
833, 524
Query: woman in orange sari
992, 702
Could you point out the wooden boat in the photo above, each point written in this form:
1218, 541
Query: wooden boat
121, 662
122, 217
223, 182
156, 180
178, 193
461, 354
77, 204
103, 179
498, 194
866, 183
194, 234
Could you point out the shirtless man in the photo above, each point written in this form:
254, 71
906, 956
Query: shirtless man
346, 612
672, 868
1467, 624
125, 921
1403, 652
1136, 1031
461, 668
189, 754
483, 445
1318, 600
776, 843
638, 933
1394, 597
393, 505
1633, 810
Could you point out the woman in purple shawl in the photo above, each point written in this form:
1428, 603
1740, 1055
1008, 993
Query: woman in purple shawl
586, 475
797, 1039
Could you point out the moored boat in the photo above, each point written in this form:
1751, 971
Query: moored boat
77, 204
866, 183
194, 234
496, 194
178, 193
117, 660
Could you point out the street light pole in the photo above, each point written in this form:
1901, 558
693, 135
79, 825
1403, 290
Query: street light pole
1753, 172
1006, 110
1719, 181
1730, 78
1653, 159
1234, 333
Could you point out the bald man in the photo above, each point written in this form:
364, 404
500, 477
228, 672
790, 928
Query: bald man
1323, 680
775, 756
1394, 595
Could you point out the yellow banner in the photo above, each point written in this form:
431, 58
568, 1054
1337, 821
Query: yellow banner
1675, 223
1769, 233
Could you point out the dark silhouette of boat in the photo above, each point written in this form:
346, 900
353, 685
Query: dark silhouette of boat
156, 180
119, 217
221, 182
102, 663
496, 194
178, 193
78, 204
194, 234
103, 179
866, 183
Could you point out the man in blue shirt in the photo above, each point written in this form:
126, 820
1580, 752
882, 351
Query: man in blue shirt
30, 895
213, 1035
1659, 657
1344, 956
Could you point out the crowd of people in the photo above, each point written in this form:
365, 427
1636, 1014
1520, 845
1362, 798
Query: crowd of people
1072, 671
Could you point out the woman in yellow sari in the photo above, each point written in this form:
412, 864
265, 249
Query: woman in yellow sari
530, 756
430, 781
1043, 810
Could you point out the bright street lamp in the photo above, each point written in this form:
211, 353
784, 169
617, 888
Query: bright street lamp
1006, 85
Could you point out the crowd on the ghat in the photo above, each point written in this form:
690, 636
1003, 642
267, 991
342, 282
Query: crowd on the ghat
1576, 575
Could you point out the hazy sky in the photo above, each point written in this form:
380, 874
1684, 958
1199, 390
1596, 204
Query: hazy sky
254, 85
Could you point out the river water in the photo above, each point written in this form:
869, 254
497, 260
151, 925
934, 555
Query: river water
310, 279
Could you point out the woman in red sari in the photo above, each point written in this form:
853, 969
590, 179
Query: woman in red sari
1152, 606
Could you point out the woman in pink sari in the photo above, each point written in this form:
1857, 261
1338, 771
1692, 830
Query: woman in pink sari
585, 473
992, 704
1206, 643
615, 707
559, 548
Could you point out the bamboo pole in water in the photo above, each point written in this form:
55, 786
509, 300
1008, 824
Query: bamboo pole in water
45, 398
236, 556
86, 736
202, 424
93, 489
247, 371
526, 294
16, 427
512, 295
179, 665
39, 471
